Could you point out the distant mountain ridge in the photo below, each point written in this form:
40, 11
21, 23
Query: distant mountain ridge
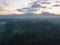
47, 14
29, 15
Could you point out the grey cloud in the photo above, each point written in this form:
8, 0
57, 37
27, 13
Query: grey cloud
35, 4
33, 7
55, 5
43, 6
5, 3
45, 3
22, 10
27, 9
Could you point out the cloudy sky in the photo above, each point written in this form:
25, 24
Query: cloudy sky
33, 6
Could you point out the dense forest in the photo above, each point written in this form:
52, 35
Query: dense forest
31, 33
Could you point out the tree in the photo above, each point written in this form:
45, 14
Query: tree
9, 31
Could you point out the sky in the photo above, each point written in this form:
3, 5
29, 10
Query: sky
26, 6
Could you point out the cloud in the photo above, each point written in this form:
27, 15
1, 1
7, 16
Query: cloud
3, 10
5, 3
22, 10
57, 1
45, 3
41, 6
32, 7
35, 4
26, 9
55, 5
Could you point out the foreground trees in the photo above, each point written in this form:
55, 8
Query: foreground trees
29, 33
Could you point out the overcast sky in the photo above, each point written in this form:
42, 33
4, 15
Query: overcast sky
35, 6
